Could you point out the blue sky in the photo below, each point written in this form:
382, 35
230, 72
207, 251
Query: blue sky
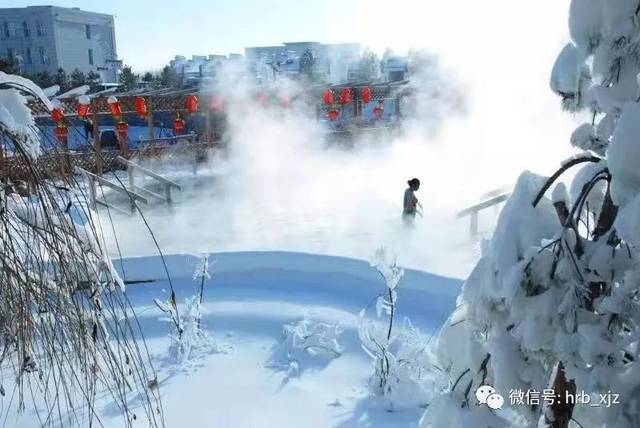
150, 32
472, 36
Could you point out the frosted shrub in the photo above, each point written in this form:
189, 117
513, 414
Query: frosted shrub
188, 339
398, 354
305, 343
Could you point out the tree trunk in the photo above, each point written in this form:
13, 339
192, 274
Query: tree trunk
558, 414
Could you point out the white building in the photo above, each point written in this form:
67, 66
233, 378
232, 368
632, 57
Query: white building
394, 68
332, 62
201, 67
46, 38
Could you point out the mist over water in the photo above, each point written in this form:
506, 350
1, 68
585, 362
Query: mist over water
480, 120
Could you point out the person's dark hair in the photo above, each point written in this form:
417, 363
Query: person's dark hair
414, 182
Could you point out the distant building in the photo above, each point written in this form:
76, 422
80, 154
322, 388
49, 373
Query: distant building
395, 68
46, 38
332, 62
201, 68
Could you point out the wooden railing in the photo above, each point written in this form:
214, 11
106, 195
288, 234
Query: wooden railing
95, 180
474, 210
133, 167
60, 164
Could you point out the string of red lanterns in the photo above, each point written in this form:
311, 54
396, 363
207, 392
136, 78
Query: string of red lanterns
263, 99
216, 104
84, 102
61, 130
121, 126
366, 95
378, 111
56, 111
178, 125
140, 104
346, 97
192, 103
327, 97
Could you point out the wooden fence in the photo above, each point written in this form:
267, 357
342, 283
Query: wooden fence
61, 164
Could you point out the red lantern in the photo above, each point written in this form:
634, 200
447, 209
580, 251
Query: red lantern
366, 95
57, 115
178, 126
327, 97
377, 112
84, 102
56, 111
62, 132
192, 103
263, 99
123, 130
114, 105
333, 115
284, 100
345, 96
216, 104
140, 104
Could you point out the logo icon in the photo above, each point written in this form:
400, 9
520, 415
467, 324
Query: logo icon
487, 395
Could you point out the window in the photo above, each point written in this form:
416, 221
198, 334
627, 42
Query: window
5, 29
87, 30
39, 29
11, 53
29, 58
44, 56
90, 56
25, 29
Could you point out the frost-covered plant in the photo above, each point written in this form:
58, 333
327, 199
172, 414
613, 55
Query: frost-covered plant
554, 301
399, 373
187, 336
67, 332
201, 274
190, 340
307, 342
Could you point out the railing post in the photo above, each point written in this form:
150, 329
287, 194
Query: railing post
97, 145
133, 204
131, 177
152, 131
3, 171
92, 193
474, 224
167, 189
207, 125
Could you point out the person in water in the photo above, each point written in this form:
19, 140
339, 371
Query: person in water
410, 204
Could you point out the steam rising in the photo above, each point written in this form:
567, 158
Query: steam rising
281, 188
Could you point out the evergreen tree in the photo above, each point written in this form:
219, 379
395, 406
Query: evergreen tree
307, 63
44, 79
169, 78
93, 80
128, 79
368, 66
77, 79
61, 79
9, 65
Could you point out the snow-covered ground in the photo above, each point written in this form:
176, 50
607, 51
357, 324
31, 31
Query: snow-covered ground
250, 297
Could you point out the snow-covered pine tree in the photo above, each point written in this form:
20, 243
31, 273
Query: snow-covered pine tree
554, 301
